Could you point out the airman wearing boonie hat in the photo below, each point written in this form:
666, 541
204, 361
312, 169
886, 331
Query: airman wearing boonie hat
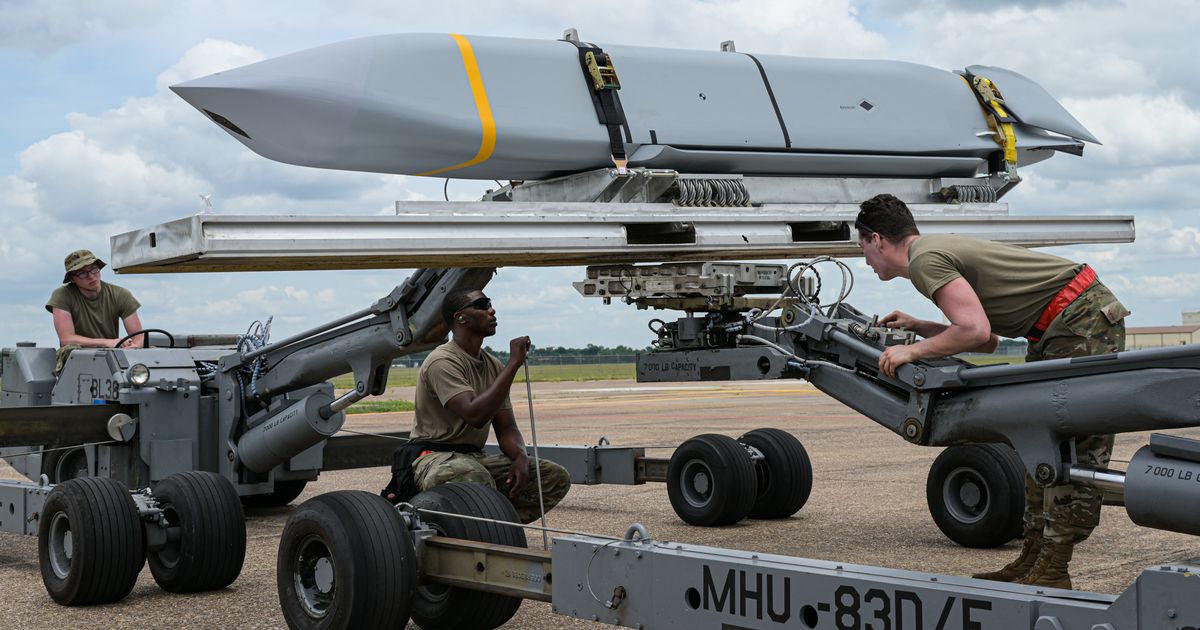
86, 310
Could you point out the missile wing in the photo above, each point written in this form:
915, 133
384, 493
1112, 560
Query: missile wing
478, 107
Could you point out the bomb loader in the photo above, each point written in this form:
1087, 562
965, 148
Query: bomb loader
453, 549
192, 423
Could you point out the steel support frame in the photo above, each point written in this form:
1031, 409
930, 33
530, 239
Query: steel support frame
601, 464
657, 584
1035, 407
20, 505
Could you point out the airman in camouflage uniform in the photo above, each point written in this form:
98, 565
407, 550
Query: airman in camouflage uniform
461, 391
986, 290
1065, 515
86, 311
436, 469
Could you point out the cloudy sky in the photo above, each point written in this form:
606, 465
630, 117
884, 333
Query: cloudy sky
92, 143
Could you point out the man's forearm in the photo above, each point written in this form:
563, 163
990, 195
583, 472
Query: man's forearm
512, 445
86, 342
927, 329
952, 340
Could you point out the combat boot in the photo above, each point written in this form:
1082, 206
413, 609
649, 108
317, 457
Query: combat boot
1051, 566
1019, 567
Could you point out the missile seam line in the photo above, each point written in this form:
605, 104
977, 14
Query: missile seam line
787, 139
487, 143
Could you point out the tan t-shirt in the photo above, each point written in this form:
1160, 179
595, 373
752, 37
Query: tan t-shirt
98, 318
1014, 284
447, 372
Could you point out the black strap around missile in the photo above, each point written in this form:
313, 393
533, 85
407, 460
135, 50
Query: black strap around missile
603, 85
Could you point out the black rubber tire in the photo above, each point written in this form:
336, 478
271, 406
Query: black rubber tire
976, 494
90, 544
211, 547
783, 478
440, 607
359, 544
285, 492
708, 481
59, 466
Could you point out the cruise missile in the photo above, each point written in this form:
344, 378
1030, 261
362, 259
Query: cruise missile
476, 107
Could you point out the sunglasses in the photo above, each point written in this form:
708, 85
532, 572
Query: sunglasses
859, 225
86, 272
482, 304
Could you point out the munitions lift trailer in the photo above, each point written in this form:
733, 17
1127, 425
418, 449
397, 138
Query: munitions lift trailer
443, 565
622, 218
193, 423
635, 215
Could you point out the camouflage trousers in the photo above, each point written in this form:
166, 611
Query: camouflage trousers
435, 469
60, 357
1092, 324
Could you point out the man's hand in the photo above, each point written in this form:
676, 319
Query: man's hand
894, 357
899, 319
518, 474
518, 350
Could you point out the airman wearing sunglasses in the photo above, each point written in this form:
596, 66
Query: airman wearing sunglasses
86, 311
461, 391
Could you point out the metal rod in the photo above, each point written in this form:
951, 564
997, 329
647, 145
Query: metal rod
1101, 478
343, 401
537, 464
1125, 358
480, 519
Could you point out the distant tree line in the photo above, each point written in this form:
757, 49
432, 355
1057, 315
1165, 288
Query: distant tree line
590, 353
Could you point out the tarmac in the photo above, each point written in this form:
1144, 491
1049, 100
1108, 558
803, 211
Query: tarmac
867, 505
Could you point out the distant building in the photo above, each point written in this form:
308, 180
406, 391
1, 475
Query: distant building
1137, 338
1191, 317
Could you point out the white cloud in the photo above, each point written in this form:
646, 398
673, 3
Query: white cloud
1122, 69
1074, 49
79, 181
1159, 287
44, 26
1140, 130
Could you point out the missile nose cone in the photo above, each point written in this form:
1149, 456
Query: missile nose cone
285, 109
196, 94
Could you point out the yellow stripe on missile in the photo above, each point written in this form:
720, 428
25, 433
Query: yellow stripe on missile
487, 143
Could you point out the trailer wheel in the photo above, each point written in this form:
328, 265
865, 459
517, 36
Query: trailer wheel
709, 479
976, 494
346, 560
437, 606
59, 466
284, 493
783, 477
90, 542
206, 533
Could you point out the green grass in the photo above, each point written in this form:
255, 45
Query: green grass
993, 359
407, 377
380, 406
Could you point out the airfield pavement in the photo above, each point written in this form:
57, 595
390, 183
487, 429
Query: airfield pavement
867, 506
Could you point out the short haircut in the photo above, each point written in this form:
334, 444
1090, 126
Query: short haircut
886, 215
455, 301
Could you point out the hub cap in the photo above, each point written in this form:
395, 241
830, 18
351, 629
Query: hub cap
315, 577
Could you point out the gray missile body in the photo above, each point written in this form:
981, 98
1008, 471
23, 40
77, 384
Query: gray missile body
498, 108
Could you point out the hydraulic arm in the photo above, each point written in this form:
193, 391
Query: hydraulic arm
1039, 409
